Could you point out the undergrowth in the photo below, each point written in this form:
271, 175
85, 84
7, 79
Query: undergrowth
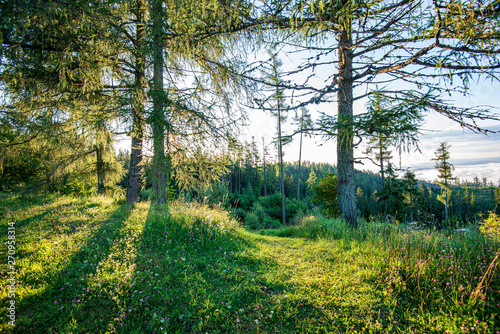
92, 265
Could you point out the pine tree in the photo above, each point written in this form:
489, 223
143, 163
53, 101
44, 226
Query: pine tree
410, 183
360, 43
304, 122
445, 169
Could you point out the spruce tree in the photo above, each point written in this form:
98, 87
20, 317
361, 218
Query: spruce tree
445, 169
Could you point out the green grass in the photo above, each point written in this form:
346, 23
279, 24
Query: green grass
91, 265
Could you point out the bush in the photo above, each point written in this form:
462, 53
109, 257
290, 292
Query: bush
258, 219
451, 223
491, 226
238, 214
113, 190
252, 221
170, 193
79, 186
215, 195
271, 204
146, 194
325, 194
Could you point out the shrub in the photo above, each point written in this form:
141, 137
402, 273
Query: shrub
258, 219
325, 194
146, 194
170, 193
271, 204
216, 194
79, 186
491, 226
252, 221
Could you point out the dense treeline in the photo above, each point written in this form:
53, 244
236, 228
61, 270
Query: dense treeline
243, 178
249, 178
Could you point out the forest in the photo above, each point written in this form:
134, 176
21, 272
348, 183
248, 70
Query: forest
194, 227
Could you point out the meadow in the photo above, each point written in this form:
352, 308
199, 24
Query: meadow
95, 265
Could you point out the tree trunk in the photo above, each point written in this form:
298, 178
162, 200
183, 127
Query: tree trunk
239, 178
100, 168
446, 203
300, 157
280, 153
134, 182
264, 173
345, 158
381, 152
231, 176
411, 207
158, 117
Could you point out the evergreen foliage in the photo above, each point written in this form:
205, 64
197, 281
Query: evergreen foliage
325, 194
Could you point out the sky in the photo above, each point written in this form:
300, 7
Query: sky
471, 154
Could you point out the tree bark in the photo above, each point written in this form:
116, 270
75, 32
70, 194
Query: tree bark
134, 182
100, 168
300, 157
264, 172
158, 117
280, 153
345, 158
381, 152
446, 202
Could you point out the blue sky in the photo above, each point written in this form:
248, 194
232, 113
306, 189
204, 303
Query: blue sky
472, 154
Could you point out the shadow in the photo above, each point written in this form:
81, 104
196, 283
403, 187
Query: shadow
52, 222
192, 279
41, 312
13, 203
157, 275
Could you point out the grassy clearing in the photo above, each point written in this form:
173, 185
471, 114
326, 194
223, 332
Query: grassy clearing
93, 266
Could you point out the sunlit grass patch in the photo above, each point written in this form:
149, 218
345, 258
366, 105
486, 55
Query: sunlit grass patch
93, 266
428, 277
57, 253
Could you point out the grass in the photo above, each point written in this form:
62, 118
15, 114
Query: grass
91, 265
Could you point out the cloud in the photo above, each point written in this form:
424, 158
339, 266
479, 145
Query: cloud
491, 171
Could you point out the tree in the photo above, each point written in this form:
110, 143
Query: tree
472, 200
389, 123
411, 190
325, 193
157, 115
54, 83
276, 107
311, 180
364, 42
485, 181
111, 47
265, 153
445, 169
363, 203
304, 122
476, 181
466, 200
393, 194
496, 197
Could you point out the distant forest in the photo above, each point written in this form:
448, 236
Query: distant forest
247, 183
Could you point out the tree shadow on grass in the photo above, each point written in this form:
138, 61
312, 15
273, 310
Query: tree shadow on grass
47, 225
68, 298
11, 204
192, 278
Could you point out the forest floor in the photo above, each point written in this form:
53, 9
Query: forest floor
93, 265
